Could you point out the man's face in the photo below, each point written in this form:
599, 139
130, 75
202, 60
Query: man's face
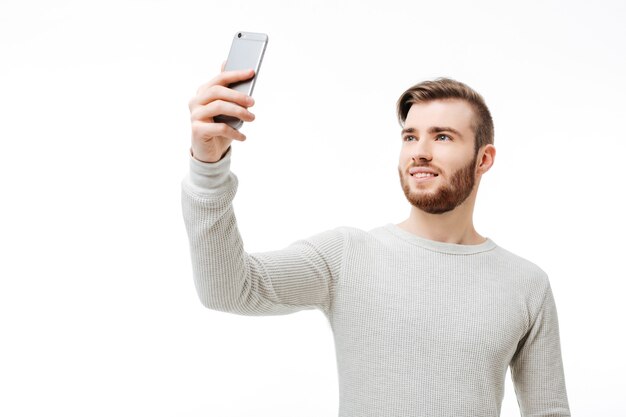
437, 165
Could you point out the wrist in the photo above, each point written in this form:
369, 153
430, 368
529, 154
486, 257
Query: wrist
208, 159
209, 176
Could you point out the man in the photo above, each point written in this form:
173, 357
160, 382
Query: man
427, 315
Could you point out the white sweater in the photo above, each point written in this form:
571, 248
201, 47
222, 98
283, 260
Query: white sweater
422, 328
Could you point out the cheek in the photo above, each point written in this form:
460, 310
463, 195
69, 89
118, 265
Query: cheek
456, 160
404, 159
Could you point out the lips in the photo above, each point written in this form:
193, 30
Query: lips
422, 172
423, 175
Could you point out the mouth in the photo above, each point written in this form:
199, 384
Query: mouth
420, 175
423, 173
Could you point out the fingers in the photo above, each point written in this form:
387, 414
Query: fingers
227, 77
202, 131
217, 107
209, 138
218, 92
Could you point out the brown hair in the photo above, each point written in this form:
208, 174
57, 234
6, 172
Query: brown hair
446, 88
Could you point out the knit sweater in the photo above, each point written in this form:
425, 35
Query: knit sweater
421, 328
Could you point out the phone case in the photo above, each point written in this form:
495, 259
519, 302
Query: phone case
246, 51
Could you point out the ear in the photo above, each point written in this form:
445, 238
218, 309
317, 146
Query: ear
486, 158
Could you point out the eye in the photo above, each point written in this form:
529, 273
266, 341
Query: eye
409, 138
443, 138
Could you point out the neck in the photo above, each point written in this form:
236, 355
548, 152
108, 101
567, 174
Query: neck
455, 226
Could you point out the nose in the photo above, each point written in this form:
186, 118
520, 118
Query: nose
421, 152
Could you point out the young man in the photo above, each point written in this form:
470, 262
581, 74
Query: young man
427, 315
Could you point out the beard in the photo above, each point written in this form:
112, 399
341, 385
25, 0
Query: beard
448, 196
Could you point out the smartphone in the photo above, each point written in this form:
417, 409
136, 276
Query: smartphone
246, 52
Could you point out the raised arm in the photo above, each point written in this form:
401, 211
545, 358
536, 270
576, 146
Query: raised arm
301, 276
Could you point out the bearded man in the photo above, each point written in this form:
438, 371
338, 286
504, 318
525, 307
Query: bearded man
427, 314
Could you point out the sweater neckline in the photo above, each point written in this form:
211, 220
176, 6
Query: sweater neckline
443, 247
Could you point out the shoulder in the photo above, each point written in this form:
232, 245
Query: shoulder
522, 270
517, 261
352, 237
377, 236
353, 233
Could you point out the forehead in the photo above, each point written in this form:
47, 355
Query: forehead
447, 112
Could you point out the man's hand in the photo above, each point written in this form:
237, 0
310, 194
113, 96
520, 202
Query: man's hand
210, 140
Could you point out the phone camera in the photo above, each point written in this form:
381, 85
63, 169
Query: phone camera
239, 35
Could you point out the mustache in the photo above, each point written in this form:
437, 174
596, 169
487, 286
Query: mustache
413, 164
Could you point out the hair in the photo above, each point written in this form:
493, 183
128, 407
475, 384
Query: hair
446, 88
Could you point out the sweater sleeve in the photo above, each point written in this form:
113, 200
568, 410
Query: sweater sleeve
299, 277
537, 366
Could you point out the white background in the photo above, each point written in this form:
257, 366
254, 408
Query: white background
98, 312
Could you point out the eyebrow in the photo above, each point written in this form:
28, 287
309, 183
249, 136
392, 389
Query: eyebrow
434, 129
